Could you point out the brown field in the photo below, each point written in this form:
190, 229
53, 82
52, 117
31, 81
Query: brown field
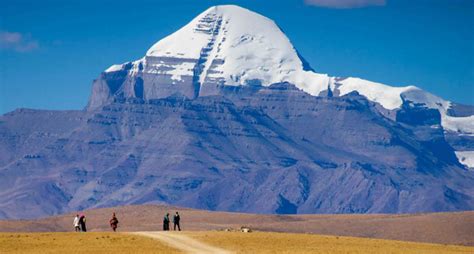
235, 242
266, 242
446, 228
96, 242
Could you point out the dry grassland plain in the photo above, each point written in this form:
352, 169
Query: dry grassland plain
70, 243
255, 242
266, 242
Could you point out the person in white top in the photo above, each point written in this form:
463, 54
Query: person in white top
76, 223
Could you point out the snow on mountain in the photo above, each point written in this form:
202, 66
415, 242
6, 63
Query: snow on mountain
466, 158
387, 96
391, 97
115, 67
464, 125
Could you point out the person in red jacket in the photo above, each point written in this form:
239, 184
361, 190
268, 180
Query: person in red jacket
114, 222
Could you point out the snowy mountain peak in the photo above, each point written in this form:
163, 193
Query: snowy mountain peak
217, 22
224, 45
235, 46
230, 45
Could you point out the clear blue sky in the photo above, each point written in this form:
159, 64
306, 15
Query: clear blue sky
50, 51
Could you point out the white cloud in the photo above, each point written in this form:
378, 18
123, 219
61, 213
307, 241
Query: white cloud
345, 4
17, 42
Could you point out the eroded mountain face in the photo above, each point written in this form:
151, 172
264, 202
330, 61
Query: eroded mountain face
268, 150
238, 121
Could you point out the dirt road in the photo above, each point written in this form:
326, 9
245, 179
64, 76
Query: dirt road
183, 243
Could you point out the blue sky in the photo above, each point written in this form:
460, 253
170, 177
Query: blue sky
51, 50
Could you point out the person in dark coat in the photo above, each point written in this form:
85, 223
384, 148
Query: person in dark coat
82, 223
166, 222
176, 220
114, 222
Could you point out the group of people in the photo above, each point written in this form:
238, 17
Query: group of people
80, 222
166, 222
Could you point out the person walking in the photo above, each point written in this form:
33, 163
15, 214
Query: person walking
76, 223
114, 222
176, 220
166, 222
82, 223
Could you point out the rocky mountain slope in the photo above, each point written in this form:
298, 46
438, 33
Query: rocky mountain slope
225, 114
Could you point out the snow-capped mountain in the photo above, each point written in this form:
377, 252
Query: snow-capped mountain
224, 114
225, 45
232, 46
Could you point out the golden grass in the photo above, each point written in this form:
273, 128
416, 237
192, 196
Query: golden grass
266, 242
255, 242
91, 242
